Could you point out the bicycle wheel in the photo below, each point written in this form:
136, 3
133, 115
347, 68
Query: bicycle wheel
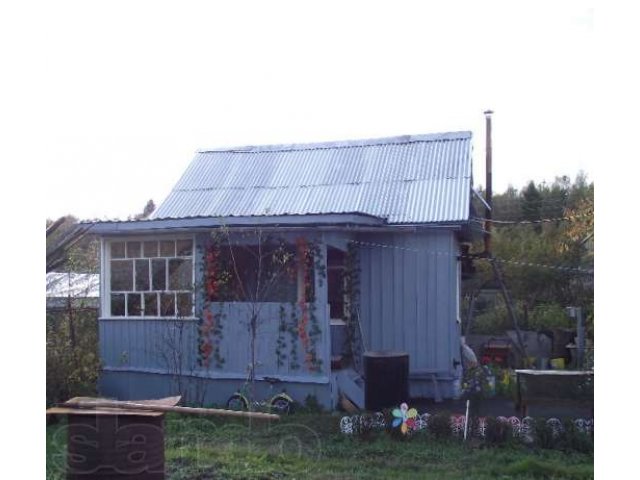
237, 402
281, 405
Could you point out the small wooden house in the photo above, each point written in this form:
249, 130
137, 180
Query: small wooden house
357, 241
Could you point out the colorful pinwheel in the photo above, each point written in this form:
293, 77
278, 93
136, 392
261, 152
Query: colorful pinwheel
405, 417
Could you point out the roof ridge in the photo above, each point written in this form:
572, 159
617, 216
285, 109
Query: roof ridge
340, 144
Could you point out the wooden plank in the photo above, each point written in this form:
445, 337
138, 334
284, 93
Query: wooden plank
386, 294
410, 303
116, 410
97, 404
399, 325
425, 279
443, 304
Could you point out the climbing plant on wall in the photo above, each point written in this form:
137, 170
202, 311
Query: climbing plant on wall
230, 275
301, 322
216, 280
309, 332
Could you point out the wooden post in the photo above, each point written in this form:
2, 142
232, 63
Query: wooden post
510, 307
489, 181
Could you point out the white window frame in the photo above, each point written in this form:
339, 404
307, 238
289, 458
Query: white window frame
106, 276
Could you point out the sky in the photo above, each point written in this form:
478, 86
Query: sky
134, 89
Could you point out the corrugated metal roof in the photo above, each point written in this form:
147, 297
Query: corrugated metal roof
408, 179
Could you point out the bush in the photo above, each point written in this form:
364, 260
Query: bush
543, 435
72, 355
440, 425
549, 316
497, 432
494, 321
572, 439
311, 405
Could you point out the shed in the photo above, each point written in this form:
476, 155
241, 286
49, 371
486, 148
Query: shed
363, 237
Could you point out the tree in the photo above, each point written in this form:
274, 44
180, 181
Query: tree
532, 204
72, 332
70, 247
146, 211
545, 264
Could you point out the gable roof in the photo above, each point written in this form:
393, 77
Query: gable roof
402, 180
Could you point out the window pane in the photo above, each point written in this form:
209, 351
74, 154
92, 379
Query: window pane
150, 249
335, 292
134, 304
151, 304
121, 275
158, 274
167, 305
180, 275
133, 249
167, 248
184, 305
117, 250
117, 304
184, 248
142, 275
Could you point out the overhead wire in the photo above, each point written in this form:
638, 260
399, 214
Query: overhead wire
522, 263
530, 222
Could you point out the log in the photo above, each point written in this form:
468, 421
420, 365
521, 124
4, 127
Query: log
169, 408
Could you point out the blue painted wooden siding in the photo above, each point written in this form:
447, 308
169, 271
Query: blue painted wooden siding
409, 301
168, 345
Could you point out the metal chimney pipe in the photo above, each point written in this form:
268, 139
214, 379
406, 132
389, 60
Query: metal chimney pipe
488, 192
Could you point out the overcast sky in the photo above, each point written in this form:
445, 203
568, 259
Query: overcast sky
133, 89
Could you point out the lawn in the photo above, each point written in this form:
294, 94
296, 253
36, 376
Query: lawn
310, 446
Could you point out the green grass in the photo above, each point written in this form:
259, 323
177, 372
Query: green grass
310, 446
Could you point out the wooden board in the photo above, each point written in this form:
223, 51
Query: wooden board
99, 406
62, 410
567, 373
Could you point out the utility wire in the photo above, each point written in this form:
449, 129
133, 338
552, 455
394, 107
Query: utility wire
531, 222
563, 268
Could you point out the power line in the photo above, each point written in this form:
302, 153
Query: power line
528, 222
563, 268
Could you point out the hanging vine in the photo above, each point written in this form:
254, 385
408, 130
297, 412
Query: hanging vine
309, 332
300, 324
292, 328
210, 325
281, 343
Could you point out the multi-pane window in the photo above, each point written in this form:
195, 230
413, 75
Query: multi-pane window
151, 278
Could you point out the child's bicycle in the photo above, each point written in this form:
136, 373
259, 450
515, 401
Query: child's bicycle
280, 403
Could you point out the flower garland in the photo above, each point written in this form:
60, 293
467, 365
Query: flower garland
308, 327
210, 326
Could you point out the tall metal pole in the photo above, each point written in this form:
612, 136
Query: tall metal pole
487, 238
489, 182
